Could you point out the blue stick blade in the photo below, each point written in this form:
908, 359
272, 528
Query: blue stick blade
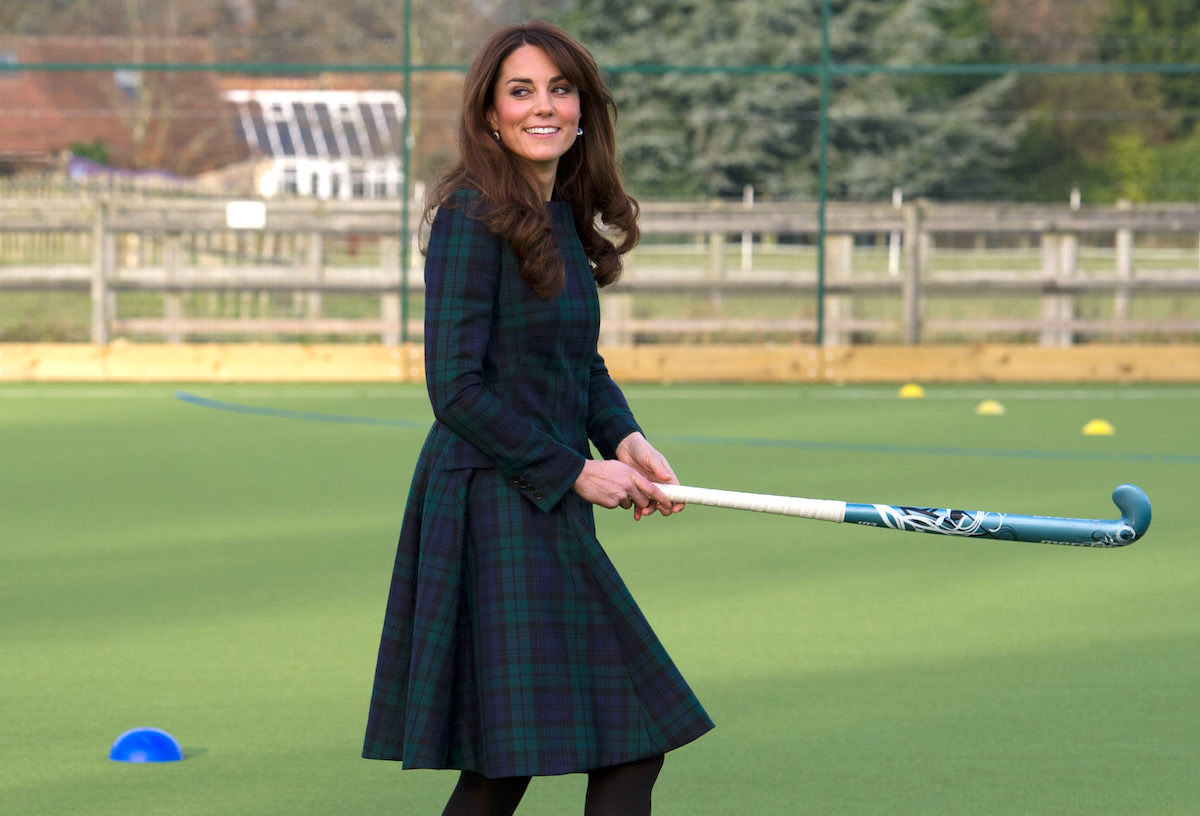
1134, 505
1130, 500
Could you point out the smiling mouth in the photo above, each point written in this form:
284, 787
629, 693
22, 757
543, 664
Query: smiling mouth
541, 131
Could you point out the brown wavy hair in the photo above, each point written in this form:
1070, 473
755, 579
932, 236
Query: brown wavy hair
587, 176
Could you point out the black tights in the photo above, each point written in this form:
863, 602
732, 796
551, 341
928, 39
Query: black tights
622, 790
618, 790
476, 795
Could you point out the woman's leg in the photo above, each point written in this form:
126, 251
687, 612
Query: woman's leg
477, 795
622, 790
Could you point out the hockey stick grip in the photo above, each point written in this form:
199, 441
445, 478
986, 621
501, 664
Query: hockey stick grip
820, 509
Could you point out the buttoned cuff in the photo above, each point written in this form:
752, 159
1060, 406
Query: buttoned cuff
551, 481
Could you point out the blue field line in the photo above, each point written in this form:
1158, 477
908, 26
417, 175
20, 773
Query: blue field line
733, 441
287, 413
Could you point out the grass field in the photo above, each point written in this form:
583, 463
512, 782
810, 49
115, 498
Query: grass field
222, 574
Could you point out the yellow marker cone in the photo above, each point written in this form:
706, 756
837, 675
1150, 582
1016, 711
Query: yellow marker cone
989, 408
911, 391
1099, 427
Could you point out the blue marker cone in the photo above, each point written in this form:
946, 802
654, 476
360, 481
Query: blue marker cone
145, 745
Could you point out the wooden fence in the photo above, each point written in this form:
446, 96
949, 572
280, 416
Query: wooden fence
269, 270
183, 248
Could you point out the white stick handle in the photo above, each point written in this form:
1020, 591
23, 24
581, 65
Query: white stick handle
821, 509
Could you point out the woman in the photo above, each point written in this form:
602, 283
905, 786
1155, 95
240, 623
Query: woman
511, 648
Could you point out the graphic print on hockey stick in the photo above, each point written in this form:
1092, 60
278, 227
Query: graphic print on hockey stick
1129, 499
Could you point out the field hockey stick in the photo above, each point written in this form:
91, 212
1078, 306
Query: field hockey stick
1130, 500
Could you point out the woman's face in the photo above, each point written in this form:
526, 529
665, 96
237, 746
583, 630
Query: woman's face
535, 110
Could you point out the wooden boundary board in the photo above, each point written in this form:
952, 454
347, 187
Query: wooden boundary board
137, 362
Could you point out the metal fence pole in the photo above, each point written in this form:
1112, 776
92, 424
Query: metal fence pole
406, 166
822, 169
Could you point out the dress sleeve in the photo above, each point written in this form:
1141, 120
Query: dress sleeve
609, 418
462, 273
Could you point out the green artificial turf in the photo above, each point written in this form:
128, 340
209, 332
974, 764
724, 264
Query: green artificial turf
222, 575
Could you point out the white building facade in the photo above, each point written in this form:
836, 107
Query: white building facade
323, 144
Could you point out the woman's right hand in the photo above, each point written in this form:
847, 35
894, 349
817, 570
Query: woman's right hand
611, 483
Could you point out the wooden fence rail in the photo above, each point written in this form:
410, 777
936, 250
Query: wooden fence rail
204, 263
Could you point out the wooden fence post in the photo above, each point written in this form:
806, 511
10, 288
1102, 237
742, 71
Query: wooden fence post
747, 235
389, 301
103, 252
1068, 268
1051, 333
172, 299
1060, 256
716, 268
916, 250
616, 310
1121, 297
839, 250
316, 265
894, 236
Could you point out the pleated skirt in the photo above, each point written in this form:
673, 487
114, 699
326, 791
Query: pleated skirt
510, 644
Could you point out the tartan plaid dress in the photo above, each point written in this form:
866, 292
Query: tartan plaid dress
510, 644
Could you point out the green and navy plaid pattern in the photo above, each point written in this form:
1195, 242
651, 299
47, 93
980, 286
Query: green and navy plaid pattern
510, 644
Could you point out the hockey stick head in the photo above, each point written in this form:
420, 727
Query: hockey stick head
1134, 505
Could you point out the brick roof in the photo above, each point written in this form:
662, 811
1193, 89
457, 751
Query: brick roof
175, 121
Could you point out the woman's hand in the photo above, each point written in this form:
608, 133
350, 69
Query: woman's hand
640, 455
612, 483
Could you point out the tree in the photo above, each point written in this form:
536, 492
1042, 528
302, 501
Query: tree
1132, 166
1178, 168
145, 119
1165, 31
95, 150
1075, 121
939, 136
709, 131
705, 131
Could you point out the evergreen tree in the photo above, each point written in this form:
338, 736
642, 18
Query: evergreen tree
938, 136
697, 130
688, 132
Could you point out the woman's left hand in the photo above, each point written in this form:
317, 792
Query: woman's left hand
640, 455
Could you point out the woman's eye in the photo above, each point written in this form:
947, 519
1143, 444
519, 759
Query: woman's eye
557, 90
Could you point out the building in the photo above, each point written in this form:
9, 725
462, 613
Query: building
343, 144
171, 121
